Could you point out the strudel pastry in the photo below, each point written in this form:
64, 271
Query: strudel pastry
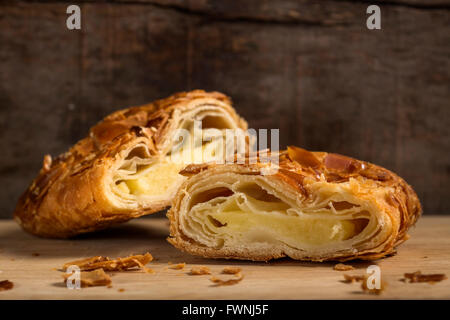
315, 206
123, 169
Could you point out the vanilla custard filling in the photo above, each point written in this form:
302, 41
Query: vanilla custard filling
238, 219
157, 180
290, 230
141, 178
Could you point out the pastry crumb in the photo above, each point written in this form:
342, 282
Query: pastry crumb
178, 266
119, 264
6, 285
202, 270
220, 282
231, 270
92, 278
351, 279
143, 267
363, 279
35, 254
343, 267
418, 276
376, 291
84, 264
121, 290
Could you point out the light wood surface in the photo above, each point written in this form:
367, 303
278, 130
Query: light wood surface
36, 277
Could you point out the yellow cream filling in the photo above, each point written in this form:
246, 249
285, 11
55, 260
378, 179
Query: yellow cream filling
156, 181
290, 228
240, 218
161, 176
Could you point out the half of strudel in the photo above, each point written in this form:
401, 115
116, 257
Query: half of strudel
313, 206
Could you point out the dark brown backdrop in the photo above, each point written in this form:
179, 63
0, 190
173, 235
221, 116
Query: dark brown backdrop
311, 69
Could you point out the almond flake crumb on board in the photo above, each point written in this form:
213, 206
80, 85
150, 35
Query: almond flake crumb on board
202, 270
231, 270
343, 267
178, 266
351, 279
92, 278
418, 276
363, 279
105, 263
6, 285
220, 282
374, 290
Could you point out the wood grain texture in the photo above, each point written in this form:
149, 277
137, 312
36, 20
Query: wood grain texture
311, 69
34, 277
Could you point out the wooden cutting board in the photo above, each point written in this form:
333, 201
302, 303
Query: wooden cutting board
32, 263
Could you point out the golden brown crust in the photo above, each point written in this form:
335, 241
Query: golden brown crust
298, 168
68, 196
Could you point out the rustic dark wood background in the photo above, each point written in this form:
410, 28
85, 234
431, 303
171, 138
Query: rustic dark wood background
310, 68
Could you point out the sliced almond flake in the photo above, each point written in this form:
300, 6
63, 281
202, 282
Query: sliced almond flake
229, 282
231, 270
119, 264
377, 291
343, 267
419, 277
6, 285
92, 278
355, 278
178, 266
202, 270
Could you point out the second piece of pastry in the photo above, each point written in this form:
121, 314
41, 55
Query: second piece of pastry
122, 169
317, 206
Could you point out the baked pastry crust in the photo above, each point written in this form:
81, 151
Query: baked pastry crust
76, 193
366, 208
